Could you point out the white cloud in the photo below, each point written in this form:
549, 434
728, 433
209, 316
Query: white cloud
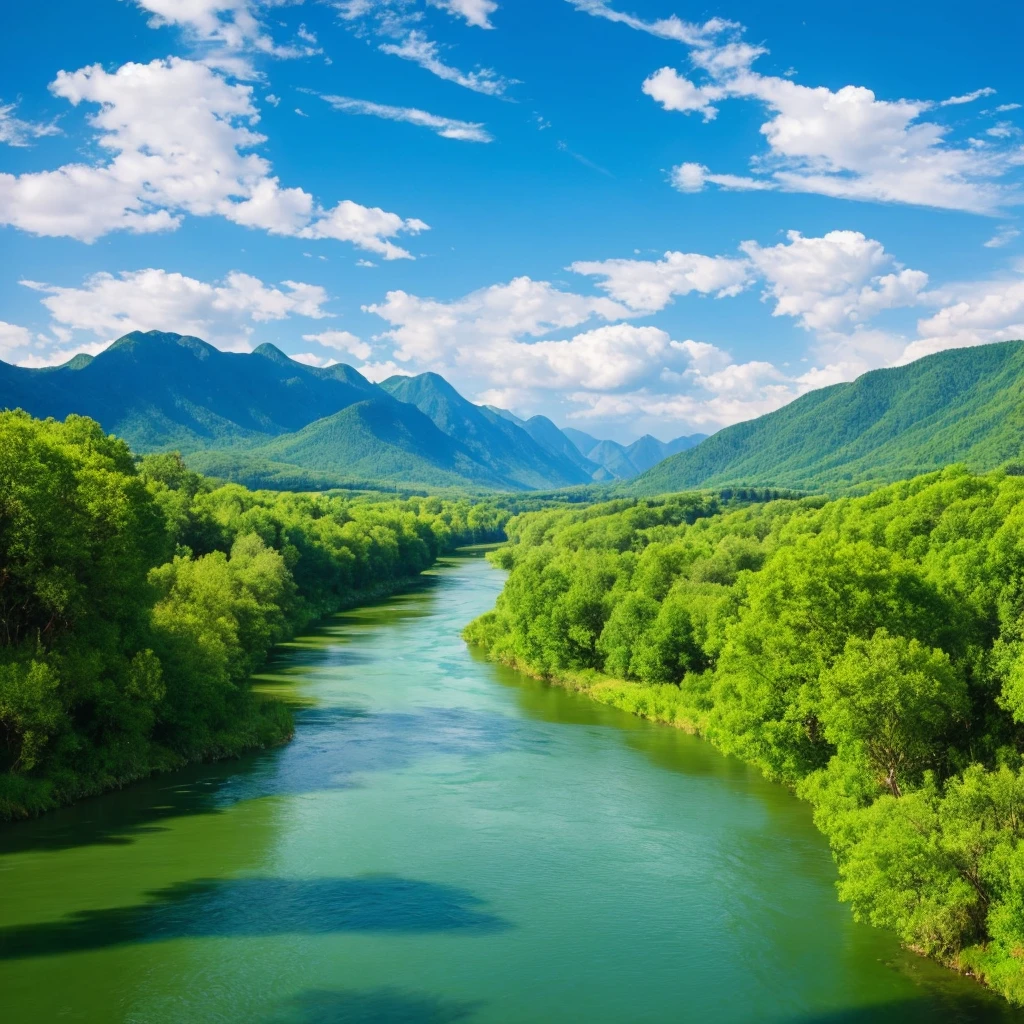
311, 359
16, 132
605, 358
365, 263
692, 177
689, 177
343, 341
838, 280
180, 138
226, 28
1003, 130
674, 92
969, 97
846, 143
1004, 236
13, 338
381, 371
400, 21
430, 331
416, 47
446, 127
648, 286
1005, 108
981, 312
673, 28
222, 313
476, 12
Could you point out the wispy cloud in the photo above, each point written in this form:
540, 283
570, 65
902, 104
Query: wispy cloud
446, 127
16, 132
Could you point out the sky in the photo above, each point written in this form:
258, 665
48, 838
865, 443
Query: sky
629, 215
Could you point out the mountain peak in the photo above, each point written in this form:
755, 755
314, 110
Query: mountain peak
147, 341
268, 351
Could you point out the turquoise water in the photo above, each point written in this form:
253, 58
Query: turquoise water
446, 840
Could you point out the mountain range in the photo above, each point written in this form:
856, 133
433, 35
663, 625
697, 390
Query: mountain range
268, 420
265, 419
962, 405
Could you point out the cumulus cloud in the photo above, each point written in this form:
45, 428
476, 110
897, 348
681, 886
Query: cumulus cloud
846, 143
179, 138
674, 92
446, 127
342, 341
981, 312
431, 331
650, 285
223, 313
13, 339
833, 282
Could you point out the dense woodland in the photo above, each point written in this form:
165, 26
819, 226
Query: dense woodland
867, 651
137, 598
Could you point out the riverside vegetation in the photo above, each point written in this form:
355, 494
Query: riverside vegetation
869, 652
137, 598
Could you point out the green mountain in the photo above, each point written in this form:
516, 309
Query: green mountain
506, 449
268, 420
378, 440
962, 405
162, 391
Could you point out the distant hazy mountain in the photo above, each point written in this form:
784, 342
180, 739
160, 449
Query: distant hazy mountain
962, 405
264, 417
508, 450
622, 462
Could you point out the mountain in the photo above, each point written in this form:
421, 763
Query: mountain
648, 451
161, 390
553, 440
621, 462
272, 421
584, 442
378, 440
961, 405
496, 442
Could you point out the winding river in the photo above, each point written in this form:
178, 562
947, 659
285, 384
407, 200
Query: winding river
445, 840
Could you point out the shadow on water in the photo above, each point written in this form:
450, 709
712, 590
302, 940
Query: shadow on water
258, 907
377, 1006
982, 1008
334, 747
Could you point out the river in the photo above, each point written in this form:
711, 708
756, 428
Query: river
446, 840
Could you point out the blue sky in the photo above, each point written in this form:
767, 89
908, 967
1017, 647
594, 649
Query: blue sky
632, 215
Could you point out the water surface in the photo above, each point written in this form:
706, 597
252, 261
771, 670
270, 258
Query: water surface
446, 840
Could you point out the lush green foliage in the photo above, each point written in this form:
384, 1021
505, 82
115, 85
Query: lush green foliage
136, 601
962, 405
867, 651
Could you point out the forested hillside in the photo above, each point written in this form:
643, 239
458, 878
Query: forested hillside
137, 600
265, 418
962, 405
867, 651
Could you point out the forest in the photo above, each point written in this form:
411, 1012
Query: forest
866, 651
137, 598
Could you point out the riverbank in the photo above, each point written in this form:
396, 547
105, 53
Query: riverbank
863, 652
